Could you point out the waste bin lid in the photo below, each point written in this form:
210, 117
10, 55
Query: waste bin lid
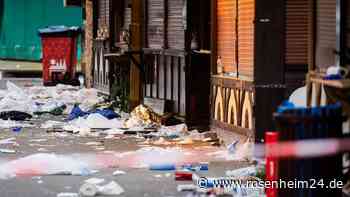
58, 30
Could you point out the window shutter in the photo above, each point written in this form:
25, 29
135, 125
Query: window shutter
296, 32
155, 23
246, 16
226, 28
176, 31
326, 33
103, 13
127, 14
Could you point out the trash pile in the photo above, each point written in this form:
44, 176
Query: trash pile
175, 149
21, 104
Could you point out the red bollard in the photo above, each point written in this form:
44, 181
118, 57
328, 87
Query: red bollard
271, 163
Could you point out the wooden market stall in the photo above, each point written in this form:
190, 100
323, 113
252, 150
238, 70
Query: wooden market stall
263, 52
167, 41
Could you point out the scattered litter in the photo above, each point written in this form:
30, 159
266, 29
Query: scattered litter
51, 124
16, 129
45, 164
7, 124
163, 167
196, 167
242, 172
183, 176
8, 151
232, 147
142, 116
68, 195
36, 178
188, 187
88, 190
43, 150
8, 141
38, 140
77, 112
110, 189
14, 115
173, 131
95, 181
96, 121
167, 175
118, 172
158, 176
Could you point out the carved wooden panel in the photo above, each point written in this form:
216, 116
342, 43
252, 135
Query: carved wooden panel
233, 104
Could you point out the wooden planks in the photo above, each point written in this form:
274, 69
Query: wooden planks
175, 29
326, 33
169, 80
296, 32
246, 17
155, 23
226, 33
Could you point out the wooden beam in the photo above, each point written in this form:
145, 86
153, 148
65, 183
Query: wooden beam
136, 44
89, 25
311, 50
213, 36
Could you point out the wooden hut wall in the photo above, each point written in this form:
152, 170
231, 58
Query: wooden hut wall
164, 52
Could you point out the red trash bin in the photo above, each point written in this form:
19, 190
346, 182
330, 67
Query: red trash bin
59, 48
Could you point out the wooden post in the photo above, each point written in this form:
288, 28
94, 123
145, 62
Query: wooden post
311, 51
88, 42
136, 44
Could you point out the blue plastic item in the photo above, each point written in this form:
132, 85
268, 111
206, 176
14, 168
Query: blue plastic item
163, 167
16, 129
196, 167
110, 114
77, 112
333, 77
